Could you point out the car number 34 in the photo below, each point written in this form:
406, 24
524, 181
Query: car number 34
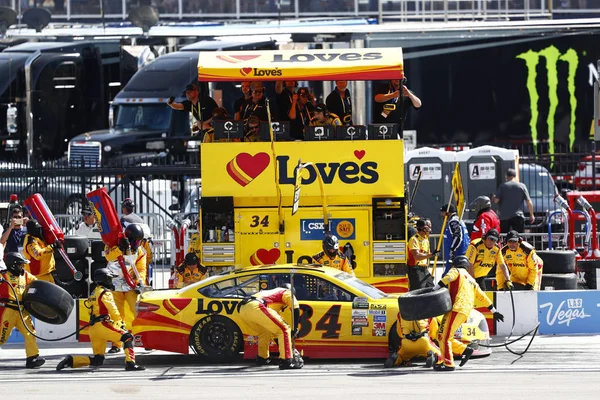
329, 323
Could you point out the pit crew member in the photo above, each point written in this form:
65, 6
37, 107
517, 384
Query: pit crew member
331, 256
456, 236
39, 253
486, 217
484, 254
190, 271
524, 265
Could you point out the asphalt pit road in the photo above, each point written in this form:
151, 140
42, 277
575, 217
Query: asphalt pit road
381, 373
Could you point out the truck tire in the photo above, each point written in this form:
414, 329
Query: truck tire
76, 247
589, 270
558, 261
48, 302
217, 339
98, 251
559, 281
424, 303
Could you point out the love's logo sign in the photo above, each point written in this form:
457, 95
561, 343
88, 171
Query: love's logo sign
264, 256
245, 167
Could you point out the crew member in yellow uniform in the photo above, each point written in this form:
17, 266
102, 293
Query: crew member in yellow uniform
190, 271
18, 278
419, 254
323, 117
331, 256
135, 257
40, 255
261, 313
195, 243
463, 292
483, 254
524, 265
414, 342
105, 325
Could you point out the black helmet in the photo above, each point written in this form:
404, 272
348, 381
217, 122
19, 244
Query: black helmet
104, 277
135, 233
481, 203
461, 262
448, 208
191, 259
331, 244
14, 263
34, 228
128, 204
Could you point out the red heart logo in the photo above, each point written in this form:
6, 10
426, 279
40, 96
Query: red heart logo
264, 256
359, 154
244, 167
175, 305
245, 71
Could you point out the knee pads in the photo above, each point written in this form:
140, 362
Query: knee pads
127, 340
97, 360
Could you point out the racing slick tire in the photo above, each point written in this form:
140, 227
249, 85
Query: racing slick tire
97, 249
424, 303
63, 272
76, 247
558, 261
393, 338
559, 281
217, 339
588, 271
48, 302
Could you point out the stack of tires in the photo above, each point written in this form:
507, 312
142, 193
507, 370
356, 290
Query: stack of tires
589, 272
559, 270
97, 254
76, 248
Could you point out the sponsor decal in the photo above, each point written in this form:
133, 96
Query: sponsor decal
377, 312
174, 306
482, 171
264, 256
569, 312
356, 331
348, 172
379, 332
379, 318
379, 325
360, 303
429, 172
326, 57
552, 56
217, 307
359, 318
244, 168
312, 229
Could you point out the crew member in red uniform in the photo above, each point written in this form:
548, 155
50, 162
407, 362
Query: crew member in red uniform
18, 278
106, 324
486, 217
463, 292
262, 313
331, 256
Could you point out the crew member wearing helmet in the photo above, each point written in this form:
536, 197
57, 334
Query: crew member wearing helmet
463, 292
331, 256
16, 276
414, 342
419, 253
106, 324
261, 313
456, 236
39, 253
524, 265
484, 254
190, 271
134, 257
486, 217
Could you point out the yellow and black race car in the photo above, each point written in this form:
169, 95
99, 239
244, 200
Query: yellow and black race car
341, 316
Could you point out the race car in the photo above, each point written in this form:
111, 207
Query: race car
341, 316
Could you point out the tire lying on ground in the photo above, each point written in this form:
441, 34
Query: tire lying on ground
76, 246
48, 302
98, 251
424, 303
559, 281
558, 261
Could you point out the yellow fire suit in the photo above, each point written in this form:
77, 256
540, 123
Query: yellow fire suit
41, 258
195, 245
483, 259
149, 258
9, 313
524, 265
189, 276
261, 313
108, 327
413, 340
463, 291
123, 294
339, 261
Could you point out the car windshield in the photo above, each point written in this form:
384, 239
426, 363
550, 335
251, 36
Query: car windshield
539, 183
364, 287
143, 116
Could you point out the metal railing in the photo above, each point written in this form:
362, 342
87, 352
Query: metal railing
255, 9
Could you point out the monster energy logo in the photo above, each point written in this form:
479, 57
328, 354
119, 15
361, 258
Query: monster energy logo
552, 56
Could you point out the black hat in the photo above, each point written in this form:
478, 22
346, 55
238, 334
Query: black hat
448, 207
191, 86
492, 233
321, 107
191, 259
512, 236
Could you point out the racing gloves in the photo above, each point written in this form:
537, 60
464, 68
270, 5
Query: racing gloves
509, 285
528, 287
124, 245
497, 315
296, 322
